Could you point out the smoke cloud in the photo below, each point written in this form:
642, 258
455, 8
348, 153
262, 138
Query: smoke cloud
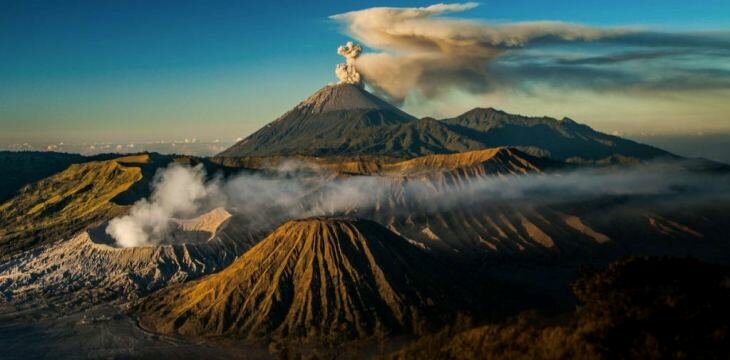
299, 190
177, 191
431, 54
346, 72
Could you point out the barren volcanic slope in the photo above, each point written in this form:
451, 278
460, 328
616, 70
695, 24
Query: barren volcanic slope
87, 270
312, 278
346, 120
486, 162
324, 124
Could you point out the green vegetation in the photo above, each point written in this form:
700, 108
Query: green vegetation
639, 308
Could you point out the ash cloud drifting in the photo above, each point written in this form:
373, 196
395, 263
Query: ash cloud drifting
299, 190
420, 50
425, 52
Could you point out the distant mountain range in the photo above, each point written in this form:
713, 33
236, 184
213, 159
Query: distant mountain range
346, 120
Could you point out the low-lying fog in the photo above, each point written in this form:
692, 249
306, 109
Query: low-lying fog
298, 190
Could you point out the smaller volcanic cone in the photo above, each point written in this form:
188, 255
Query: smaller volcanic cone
313, 278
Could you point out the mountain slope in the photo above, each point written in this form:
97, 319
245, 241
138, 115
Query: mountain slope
61, 205
346, 120
23, 167
322, 124
560, 139
20, 168
311, 278
493, 161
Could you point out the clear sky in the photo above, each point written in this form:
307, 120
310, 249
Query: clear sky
146, 70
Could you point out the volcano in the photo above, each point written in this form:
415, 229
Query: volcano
313, 278
330, 122
347, 120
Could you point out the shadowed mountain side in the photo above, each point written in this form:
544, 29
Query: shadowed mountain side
498, 230
322, 124
606, 225
668, 225
346, 120
313, 278
20, 168
559, 139
564, 231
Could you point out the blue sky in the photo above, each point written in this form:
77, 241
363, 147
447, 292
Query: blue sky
143, 70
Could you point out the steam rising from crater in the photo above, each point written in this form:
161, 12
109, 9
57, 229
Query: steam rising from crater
347, 73
177, 191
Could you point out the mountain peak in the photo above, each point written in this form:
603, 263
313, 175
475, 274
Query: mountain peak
339, 97
320, 124
481, 111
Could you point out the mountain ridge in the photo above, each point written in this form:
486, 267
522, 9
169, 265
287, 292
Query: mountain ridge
346, 120
563, 139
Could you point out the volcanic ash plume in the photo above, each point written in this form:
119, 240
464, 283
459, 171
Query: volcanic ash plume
424, 51
346, 72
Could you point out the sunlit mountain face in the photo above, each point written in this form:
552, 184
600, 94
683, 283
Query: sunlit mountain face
469, 182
